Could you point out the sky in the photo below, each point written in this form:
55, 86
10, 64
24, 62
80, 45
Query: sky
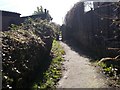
57, 8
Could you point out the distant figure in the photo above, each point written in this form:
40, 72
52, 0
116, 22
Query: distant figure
60, 37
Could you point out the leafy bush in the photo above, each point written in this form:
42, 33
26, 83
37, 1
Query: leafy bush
26, 48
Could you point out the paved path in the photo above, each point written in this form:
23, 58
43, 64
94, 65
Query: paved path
79, 72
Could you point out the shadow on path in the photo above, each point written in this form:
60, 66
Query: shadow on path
82, 50
79, 72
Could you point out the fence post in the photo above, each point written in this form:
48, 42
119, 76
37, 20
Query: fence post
0, 50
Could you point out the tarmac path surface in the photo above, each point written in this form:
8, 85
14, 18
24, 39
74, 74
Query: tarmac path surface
79, 72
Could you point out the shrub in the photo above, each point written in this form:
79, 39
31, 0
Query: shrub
26, 48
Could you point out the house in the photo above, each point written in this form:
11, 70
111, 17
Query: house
9, 18
43, 16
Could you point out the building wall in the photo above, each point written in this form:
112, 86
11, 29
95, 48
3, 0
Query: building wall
0, 21
8, 20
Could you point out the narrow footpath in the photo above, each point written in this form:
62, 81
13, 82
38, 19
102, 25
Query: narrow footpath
79, 72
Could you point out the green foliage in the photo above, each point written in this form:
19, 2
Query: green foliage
24, 49
42, 27
110, 70
57, 47
39, 10
13, 27
43, 12
21, 53
101, 31
103, 65
53, 74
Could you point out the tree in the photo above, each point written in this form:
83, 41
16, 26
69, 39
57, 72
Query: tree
44, 12
39, 10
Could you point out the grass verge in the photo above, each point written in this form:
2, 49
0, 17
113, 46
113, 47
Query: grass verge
54, 73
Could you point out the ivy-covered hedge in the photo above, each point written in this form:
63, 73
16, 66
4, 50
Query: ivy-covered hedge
25, 49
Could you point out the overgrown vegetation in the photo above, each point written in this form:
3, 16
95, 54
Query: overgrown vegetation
26, 52
111, 64
111, 67
101, 30
98, 32
53, 74
44, 12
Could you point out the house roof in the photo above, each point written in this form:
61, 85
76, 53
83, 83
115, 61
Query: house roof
9, 13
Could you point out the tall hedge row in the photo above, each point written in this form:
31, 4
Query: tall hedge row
96, 30
26, 48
